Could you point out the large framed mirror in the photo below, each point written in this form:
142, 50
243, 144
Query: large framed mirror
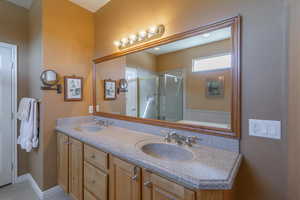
189, 81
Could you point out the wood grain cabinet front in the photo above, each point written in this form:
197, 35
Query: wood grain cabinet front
158, 188
63, 161
75, 169
96, 157
95, 181
124, 180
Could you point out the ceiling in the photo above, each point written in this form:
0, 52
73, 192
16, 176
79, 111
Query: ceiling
22, 3
198, 40
91, 5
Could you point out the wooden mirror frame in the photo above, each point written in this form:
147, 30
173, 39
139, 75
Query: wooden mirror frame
234, 131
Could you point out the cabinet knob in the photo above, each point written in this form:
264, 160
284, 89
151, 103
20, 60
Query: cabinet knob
93, 156
148, 184
134, 178
93, 182
136, 175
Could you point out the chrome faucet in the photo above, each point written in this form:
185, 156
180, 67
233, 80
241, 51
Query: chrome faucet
104, 123
181, 139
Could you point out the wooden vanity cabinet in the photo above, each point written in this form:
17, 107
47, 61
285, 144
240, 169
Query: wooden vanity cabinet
125, 180
75, 169
158, 188
87, 173
63, 161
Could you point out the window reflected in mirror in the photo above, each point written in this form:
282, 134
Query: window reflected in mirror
188, 81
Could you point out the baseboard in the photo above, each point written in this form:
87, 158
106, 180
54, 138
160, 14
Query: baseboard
43, 195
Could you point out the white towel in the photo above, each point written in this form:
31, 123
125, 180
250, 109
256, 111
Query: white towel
28, 138
24, 108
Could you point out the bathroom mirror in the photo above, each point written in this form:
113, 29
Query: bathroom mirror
49, 77
188, 81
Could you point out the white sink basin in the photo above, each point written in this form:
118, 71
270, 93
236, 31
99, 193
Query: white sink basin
167, 152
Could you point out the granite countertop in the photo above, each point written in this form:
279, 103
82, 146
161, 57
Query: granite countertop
210, 169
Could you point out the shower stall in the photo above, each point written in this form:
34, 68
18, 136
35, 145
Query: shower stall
154, 96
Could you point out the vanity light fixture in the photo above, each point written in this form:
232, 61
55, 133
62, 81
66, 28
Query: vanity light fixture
142, 36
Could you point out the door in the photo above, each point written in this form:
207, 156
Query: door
75, 169
6, 109
125, 180
63, 161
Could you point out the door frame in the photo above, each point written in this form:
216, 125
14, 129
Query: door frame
14, 84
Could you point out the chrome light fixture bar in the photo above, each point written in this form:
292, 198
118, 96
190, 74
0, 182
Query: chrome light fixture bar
142, 36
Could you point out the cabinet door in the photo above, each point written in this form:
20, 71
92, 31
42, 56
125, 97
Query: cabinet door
63, 161
163, 189
125, 180
75, 169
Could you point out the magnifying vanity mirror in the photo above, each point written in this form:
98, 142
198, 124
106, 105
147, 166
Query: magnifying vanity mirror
50, 81
188, 81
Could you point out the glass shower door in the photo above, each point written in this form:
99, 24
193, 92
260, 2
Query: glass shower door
171, 96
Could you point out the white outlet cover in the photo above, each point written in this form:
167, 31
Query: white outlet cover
91, 109
265, 128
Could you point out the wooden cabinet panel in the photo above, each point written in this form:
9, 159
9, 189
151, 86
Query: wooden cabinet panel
95, 181
96, 157
125, 180
210, 195
158, 188
63, 161
75, 169
88, 196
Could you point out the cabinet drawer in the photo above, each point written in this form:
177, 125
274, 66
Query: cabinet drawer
88, 196
96, 157
164, 187
95, 181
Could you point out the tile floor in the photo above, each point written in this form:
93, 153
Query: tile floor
23, 191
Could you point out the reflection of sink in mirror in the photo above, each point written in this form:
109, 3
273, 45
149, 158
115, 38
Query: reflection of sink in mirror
188, 81
167, 152
90, 127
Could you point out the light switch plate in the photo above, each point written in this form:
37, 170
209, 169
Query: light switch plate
265, 128
98, 108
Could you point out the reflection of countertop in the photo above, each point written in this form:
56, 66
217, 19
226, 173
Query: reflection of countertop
208, 124
211, 168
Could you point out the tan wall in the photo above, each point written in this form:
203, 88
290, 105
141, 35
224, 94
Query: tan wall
114, 70
294, 105
14, 30
35, 158
68, 47
196, 82
142, 60
263, 173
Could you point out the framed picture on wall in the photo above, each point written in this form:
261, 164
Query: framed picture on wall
110, 89
73, 88
215, 87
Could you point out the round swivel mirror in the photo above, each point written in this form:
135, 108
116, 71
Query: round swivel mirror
49, 78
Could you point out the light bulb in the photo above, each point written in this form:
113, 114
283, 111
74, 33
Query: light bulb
124, 41
153, 29
117, 43
132, 38
206, 35
142, 34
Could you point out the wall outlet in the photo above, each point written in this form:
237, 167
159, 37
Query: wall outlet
265, 128
91, 109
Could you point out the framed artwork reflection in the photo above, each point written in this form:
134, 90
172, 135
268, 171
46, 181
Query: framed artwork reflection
73, 88
110, 89
215, 87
